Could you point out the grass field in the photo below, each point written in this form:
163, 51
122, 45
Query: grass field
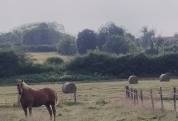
100, 101
41, 57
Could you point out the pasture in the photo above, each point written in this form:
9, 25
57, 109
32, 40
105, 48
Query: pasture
41, 57
96, 101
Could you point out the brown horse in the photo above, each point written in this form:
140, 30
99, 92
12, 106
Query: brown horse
35, 98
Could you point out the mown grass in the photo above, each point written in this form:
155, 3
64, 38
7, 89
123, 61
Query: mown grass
100, 101
41, 57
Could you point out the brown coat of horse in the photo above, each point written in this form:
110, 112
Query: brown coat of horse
35, 98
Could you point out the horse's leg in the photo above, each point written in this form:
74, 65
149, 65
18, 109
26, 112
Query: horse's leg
50, 111
54, 111
25, 111
30, 110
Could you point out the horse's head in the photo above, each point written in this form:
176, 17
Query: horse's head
20, 86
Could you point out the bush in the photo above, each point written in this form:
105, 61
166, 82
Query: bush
54, 60
123, 66
12, 64
93, 62
82, 77
32, 78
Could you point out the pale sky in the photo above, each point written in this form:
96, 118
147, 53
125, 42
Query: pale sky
76, 15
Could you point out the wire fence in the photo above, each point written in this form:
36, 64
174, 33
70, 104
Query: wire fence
157, 99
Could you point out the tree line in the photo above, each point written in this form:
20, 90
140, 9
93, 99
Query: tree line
110, 38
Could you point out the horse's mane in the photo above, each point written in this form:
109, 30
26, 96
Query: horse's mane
25, 85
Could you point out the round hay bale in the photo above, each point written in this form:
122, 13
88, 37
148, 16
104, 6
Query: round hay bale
69, 87
164, 77
133, 79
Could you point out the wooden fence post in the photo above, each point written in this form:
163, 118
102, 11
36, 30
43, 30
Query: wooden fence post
127, 91
136, 95
141, 96
152, 101
174, 98
161, 99
131, 92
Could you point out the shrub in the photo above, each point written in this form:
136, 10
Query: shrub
32, 78
123, 66
54, 60
82, 77
12, 64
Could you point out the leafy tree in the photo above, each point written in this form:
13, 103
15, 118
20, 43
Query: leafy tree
147, 38
114, 39
117, 45
67, 46
133, 44
108, 30
30, 37
86, 40
41, 34
54, 61
159, 44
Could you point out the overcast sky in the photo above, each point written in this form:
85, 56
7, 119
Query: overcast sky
75, 15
